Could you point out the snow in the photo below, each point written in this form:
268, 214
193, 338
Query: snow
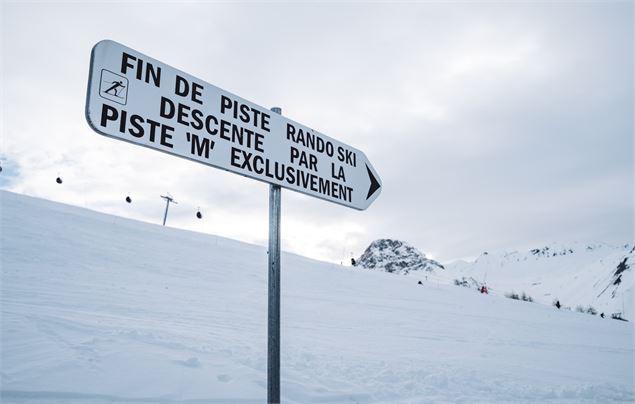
100, 309
576, 274
580, 276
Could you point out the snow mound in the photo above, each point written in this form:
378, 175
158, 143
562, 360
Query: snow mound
397, 257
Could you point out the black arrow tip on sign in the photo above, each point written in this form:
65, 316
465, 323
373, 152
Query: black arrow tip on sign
374, 184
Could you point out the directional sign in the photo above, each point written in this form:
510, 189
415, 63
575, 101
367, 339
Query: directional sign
135, 98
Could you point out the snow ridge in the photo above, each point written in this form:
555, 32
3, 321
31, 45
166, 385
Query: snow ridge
597, 275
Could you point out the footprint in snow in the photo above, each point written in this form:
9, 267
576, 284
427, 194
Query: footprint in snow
192, 362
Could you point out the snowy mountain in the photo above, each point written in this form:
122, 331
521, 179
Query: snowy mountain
596, 275
99, 309
397, 257
593, 277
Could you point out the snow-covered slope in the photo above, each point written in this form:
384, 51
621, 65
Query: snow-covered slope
598, 275
99, 309
397, 257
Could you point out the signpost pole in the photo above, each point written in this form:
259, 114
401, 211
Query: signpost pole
273, 341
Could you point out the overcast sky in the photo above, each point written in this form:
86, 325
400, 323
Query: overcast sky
493, 125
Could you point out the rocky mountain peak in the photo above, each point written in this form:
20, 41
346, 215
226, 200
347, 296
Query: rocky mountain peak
395, 256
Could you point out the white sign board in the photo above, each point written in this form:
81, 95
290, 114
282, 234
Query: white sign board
135, 98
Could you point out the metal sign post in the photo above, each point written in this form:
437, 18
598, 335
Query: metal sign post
273, 323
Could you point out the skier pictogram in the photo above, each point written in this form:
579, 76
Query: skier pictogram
113, 87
